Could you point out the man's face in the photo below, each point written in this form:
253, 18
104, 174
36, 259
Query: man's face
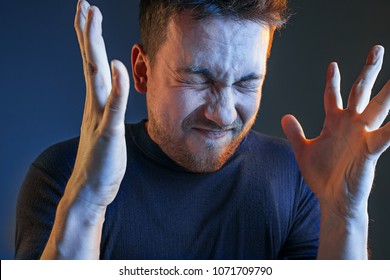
204, 89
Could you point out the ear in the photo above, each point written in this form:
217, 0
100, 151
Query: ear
139, 67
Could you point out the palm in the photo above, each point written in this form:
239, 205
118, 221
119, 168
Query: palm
101, 159
339, 164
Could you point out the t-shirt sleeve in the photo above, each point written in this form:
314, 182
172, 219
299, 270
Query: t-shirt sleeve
38, 198
303, 238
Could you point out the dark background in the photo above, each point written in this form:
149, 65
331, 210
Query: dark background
42, 86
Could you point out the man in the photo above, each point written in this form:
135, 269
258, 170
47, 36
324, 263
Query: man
193, 182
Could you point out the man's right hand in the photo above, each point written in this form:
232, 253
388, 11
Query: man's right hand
101, 158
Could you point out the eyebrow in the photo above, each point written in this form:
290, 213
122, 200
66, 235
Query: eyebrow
206, 73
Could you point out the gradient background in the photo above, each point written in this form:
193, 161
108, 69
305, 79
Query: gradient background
42, 86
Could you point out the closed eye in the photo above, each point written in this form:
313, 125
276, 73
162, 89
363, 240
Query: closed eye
251, 81
194, 80
248, 84
196, 75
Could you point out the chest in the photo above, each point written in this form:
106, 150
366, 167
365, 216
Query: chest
203, 217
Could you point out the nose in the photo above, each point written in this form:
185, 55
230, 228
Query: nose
222, 107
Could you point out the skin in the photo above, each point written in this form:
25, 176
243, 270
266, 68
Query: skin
203, 95
338, 165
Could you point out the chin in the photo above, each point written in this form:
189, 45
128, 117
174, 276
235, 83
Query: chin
208, 158
203, 166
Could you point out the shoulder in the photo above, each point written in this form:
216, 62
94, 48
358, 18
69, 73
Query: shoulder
39, 194
59, 154
63, 154
51, 170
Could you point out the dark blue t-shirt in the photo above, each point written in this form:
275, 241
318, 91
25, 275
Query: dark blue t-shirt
256, 206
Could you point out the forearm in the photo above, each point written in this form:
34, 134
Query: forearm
343, 238
76, 233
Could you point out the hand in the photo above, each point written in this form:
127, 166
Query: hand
339, 164
101, 159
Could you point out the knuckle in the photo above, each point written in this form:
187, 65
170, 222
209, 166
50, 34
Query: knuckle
379, 102
83, 55
361, 83
352, 115
101, 85
92, 69
332, 88
115, 107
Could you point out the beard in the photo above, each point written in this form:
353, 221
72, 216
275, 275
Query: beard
191, 150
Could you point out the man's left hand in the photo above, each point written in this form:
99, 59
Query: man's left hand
339, 164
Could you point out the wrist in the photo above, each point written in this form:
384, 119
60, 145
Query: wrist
82, 210
345, 225
343, 237
77, 230
89, 191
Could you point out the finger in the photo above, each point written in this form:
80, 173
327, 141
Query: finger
379, 140
361, 90
294, 133
97, 67
378, 109
79, 24
332, 97
114, 111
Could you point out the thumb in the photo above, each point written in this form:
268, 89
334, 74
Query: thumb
294, 133
115, 108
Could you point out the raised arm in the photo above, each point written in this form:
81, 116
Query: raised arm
101, 158
339, 164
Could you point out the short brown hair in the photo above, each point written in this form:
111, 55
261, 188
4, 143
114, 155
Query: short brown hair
155, 15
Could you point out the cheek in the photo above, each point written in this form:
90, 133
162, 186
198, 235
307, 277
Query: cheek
248, 106
187, 101
176, 104
171, 103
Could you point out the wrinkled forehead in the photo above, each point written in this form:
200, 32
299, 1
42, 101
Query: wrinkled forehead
215, 25
220, 43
